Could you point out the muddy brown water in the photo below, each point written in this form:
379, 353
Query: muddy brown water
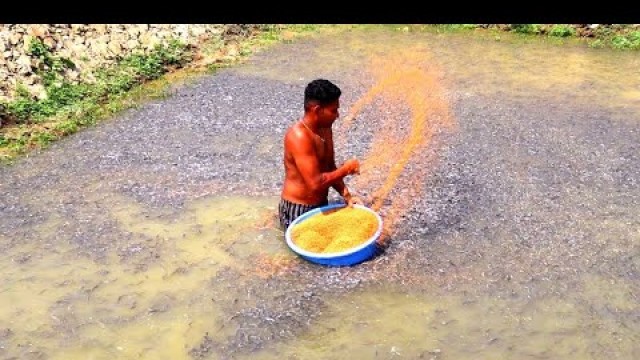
539, 262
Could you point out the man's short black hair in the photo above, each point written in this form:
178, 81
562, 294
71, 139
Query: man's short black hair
321, 91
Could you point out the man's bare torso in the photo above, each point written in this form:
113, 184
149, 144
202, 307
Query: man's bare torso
295, 189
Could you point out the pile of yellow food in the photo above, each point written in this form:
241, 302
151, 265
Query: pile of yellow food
335, 230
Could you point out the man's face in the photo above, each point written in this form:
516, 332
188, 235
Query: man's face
329, 113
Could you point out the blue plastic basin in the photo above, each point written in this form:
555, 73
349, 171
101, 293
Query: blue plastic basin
344, 258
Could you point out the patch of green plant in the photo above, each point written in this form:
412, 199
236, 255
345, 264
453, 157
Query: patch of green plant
621, 42
561, 30
66, 127
526, 28
634, 36
463, 26
44, 138
51, 66
455, 27
630, 41
601, 32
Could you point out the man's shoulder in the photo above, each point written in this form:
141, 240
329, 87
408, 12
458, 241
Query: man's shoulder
294, 131
296, 137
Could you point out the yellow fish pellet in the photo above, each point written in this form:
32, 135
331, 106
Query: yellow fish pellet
335, 230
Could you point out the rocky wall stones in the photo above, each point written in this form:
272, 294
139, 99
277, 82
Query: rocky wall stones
88, 46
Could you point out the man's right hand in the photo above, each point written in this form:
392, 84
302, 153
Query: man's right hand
353, 166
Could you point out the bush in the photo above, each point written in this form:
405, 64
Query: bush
526, 28
562, 31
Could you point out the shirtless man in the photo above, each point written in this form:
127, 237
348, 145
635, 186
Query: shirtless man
309, 162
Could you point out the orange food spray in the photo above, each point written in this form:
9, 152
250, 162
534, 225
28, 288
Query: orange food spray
410, 80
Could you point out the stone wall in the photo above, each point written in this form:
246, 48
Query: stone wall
87, 45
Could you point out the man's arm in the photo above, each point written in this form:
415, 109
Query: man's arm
342, 189
306, 159
339, 185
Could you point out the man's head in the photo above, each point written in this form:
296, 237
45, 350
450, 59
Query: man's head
322, 99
